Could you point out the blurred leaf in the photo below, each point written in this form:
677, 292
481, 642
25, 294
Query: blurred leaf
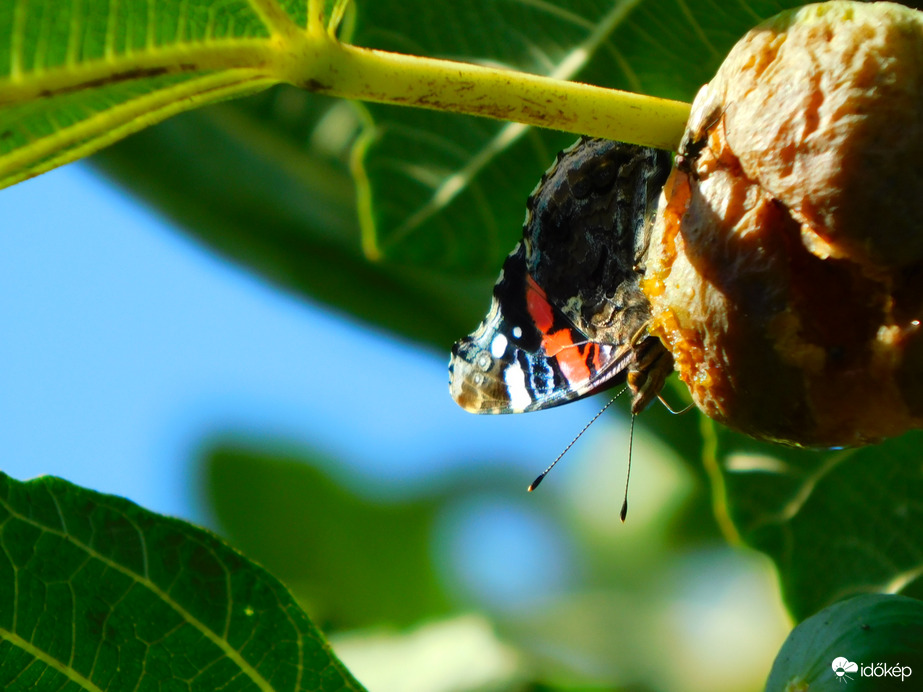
459, 654
354, 562
835, 523
99, 594
449, 191
263, 181
695, 523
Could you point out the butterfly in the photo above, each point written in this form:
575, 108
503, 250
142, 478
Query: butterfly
568, 317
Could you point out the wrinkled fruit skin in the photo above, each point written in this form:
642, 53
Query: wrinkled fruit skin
872, 629
785, 270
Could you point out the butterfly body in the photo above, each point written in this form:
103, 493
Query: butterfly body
568, 317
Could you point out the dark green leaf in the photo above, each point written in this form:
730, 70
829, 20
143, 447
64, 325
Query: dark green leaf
835, 523
99, 594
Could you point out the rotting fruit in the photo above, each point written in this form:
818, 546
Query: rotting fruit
785, 270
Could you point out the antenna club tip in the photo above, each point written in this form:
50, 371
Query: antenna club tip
624, 513
534, 484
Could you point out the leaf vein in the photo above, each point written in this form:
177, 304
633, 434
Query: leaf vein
42, 657
275, 19
696, 26
558, 12
902, 580
227, 55
111, 23
151, 38
806, 489
749, 10
19, 21
73, 39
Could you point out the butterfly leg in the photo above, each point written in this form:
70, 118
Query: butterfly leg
647, 375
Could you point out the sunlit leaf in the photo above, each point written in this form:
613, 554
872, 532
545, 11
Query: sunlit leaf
99, 594
75, 77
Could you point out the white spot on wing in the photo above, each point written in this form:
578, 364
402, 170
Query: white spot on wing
517, 332
515, 380
498, 346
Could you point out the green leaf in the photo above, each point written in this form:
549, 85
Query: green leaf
835, 523
75, 77
99, 594
878, 631
371, 563
449, 191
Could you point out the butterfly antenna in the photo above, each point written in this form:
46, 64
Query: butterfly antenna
631, 435
544, 473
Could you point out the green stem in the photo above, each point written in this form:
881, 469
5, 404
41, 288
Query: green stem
719, 500
373, 75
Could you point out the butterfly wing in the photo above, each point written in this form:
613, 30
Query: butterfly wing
526, 355
568, 306
587, 227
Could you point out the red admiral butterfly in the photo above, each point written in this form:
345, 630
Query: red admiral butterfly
568, 317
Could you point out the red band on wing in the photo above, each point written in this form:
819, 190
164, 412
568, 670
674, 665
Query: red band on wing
571, 358
538, 305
